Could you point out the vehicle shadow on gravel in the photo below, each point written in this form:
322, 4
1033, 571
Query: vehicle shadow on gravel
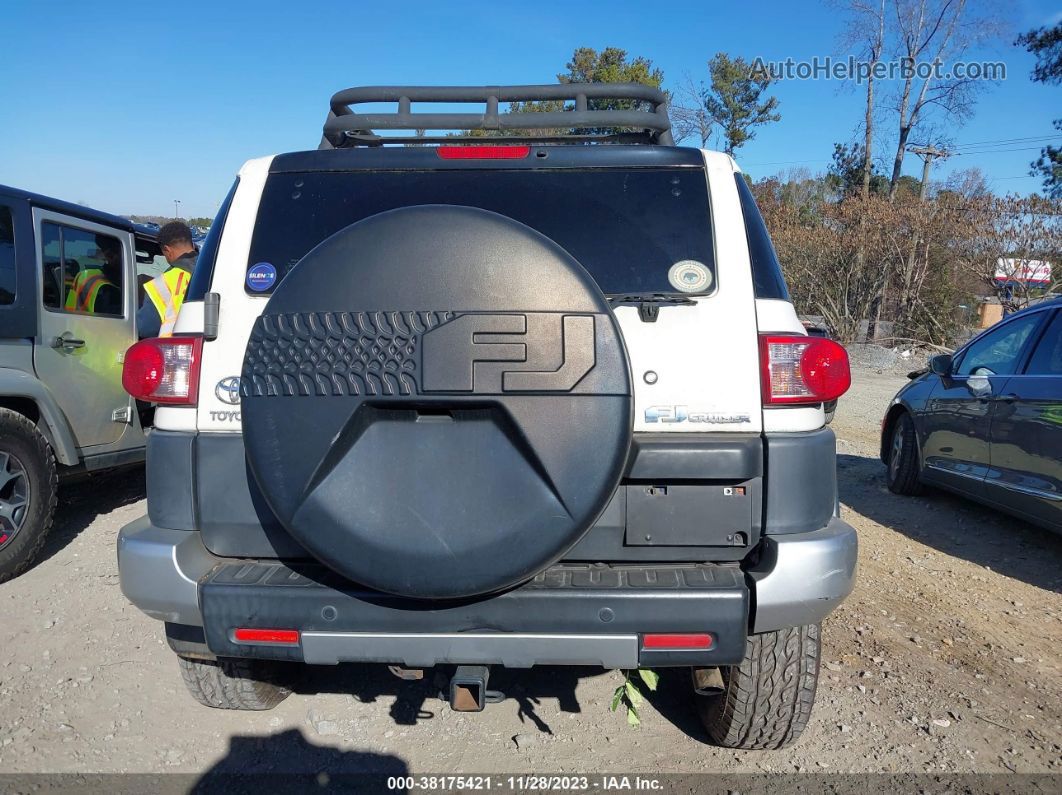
288, 762
81, 501
952, 525
674, 700
420, 700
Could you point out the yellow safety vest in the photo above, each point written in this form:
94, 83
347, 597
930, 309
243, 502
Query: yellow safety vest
167, 294
87, 285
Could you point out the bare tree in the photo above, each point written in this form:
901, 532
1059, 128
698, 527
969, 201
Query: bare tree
689, 116
931, 255
1017, 229
934, 33
865, 35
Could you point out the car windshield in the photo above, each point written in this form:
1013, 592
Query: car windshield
629, 227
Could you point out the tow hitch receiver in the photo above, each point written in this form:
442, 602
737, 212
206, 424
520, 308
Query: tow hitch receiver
468, 688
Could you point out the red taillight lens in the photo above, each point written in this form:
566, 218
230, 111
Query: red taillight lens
483, 152
798, 369
287, 637
164, 370
684, 640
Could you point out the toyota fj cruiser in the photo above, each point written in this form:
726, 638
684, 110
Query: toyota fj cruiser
68, 296
539, 398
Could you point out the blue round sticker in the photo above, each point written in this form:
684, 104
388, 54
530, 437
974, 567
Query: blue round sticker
261, 276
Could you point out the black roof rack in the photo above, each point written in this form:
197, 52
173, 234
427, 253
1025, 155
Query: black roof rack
345, 128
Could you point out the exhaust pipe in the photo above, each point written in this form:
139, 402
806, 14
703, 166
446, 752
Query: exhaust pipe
708, 682
468, 688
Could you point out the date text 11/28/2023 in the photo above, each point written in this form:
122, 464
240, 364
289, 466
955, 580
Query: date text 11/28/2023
523, 783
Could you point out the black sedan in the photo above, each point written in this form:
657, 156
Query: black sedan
986, 422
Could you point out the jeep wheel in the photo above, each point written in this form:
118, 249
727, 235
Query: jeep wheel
28, 485
902, 473
767, 699
230, 683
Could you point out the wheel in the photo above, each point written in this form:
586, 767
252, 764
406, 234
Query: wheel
230, 683
28, 485
440, 438
767, 699
902, 472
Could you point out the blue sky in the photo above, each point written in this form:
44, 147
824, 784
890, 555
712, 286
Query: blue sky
128, 106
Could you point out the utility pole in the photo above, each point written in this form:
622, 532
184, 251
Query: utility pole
176, 212
928, 154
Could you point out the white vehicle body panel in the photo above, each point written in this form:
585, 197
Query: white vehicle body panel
705, 357
223, 357
702, 360
773, 316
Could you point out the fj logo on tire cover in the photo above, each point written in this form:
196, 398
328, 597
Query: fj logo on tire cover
470, 353
406, 353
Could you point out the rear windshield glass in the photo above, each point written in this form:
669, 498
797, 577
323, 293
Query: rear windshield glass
766, 272
627, 227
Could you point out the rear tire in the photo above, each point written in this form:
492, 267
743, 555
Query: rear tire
901, 472
230, 683
767, 699
28, 487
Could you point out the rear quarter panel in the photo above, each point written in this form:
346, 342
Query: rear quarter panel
223, 357
705, 357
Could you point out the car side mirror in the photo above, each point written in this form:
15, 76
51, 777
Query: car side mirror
940, 364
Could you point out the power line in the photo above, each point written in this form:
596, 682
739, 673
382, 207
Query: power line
1000, 151
951, 150
1002, 141
950, 153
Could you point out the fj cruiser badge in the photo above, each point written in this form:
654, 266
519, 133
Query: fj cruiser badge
690, 276
671, 414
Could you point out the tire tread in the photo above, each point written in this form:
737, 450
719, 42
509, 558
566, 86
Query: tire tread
768, 698
230, 683
31, 541
908, 481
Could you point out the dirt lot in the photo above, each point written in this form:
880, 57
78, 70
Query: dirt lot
945, 659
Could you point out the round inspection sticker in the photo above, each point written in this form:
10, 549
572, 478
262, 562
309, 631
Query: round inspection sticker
690, 276
261, 276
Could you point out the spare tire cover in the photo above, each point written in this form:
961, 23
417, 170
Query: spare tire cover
436, 402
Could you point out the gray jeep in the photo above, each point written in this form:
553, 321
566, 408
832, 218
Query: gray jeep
63, 411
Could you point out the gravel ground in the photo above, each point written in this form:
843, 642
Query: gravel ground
944, 659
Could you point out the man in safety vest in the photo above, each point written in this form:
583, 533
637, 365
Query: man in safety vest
164, 294
95, 289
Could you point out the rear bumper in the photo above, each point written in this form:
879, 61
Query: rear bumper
801, 577
568, 615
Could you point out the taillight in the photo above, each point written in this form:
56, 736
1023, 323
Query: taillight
798, 369
164, 370
483, 152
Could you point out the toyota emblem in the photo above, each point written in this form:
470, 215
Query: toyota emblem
228, 390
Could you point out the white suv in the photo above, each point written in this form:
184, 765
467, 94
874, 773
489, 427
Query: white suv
540, 401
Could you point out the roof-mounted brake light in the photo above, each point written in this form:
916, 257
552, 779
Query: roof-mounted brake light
483, 152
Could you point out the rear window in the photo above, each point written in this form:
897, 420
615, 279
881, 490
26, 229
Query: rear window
7, 256
767, 279
627, 227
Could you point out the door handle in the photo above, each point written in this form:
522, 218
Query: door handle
1010, 397
63, 341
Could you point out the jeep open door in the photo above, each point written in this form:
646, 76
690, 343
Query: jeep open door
87, 321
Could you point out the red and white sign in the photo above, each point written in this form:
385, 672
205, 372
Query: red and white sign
1023, 271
